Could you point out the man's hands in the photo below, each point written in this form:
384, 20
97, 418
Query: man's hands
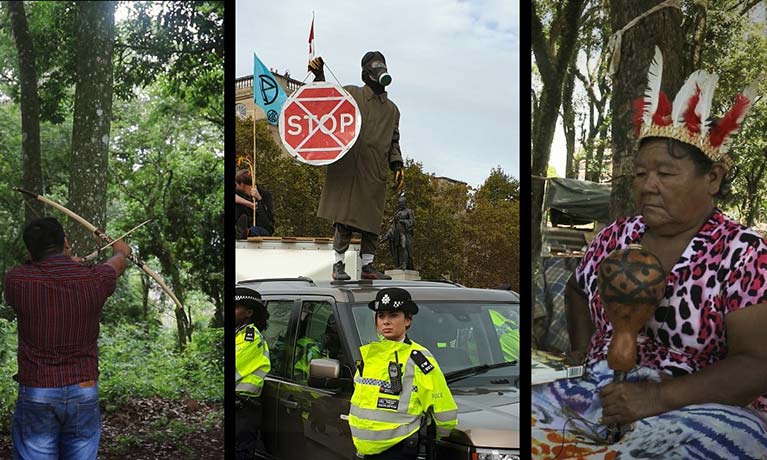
626, 402
120, 252
399, 179
317, 67
121, 247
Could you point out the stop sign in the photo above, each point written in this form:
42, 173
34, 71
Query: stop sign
319, 123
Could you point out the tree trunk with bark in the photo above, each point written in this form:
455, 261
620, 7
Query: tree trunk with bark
568, 118
92, 119
552, 57
32, 175
664, 29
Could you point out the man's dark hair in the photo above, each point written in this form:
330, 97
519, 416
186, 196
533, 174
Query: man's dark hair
243, 177
44, 237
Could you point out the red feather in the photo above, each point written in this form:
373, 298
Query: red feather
662, 116
639, 105
691, 119
729, 121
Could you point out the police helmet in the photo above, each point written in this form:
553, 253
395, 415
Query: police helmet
248, 298
393, 299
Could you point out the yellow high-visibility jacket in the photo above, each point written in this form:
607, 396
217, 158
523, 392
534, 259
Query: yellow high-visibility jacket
508, 335
251, 360
379, 419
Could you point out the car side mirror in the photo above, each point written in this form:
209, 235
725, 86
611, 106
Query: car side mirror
324, 368
325, 373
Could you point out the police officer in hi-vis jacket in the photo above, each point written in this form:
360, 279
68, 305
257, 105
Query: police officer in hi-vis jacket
252, 364
398, 383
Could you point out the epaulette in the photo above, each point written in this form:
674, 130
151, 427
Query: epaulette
250, 334
421, 361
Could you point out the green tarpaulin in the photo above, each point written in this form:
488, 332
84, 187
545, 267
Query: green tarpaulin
579, 199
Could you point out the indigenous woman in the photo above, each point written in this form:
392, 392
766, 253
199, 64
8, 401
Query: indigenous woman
697, 388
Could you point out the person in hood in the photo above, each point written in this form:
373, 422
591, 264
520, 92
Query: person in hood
355, 186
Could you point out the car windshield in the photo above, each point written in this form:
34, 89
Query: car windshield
459, 335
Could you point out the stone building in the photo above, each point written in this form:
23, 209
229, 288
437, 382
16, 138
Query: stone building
245, 106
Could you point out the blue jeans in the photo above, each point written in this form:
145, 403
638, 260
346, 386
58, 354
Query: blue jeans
56, 423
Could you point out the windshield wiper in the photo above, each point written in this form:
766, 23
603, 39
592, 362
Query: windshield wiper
454, 376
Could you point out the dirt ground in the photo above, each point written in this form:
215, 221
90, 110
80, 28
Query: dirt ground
157, 429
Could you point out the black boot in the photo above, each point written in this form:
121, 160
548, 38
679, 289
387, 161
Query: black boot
339, 273
370, 273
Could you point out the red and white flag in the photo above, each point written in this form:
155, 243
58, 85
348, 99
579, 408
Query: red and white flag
311, 41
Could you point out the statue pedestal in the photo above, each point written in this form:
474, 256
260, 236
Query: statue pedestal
406, 275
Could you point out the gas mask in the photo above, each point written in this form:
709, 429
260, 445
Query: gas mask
374, 72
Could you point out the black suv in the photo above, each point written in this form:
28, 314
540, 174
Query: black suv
314, 334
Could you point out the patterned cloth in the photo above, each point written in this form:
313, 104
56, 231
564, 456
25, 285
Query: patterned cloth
722, 270
719, 272
549, 316
565, 416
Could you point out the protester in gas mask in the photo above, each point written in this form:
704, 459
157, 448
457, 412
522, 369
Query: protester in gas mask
355, 186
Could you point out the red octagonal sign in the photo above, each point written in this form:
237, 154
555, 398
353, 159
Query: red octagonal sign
319, 123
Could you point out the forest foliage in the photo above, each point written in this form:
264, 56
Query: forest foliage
723, 36
165, 162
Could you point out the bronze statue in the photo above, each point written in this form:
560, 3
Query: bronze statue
400, 236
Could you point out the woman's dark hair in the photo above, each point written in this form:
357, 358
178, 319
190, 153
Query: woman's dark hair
260, 318
43, 237
703, 164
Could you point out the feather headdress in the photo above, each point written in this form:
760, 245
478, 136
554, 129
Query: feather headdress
687, 119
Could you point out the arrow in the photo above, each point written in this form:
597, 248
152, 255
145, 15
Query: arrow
99, 233
95, 253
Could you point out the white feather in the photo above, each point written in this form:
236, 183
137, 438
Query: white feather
750, 94
654, 75
694, 81
704, 104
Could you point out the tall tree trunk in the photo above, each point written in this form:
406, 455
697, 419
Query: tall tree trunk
552, 62
92, 119
662, 28
145, 296
568, 118
596, 173
32, 175
218, 314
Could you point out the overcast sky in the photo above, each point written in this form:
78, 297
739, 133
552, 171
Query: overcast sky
454, 65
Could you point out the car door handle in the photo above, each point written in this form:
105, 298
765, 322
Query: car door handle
289, 404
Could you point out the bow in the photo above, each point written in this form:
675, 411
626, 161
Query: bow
99, 233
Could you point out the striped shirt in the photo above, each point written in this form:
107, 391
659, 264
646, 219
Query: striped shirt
58, 304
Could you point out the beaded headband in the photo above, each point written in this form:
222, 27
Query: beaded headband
687, 119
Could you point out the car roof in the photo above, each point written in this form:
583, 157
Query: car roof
365, 290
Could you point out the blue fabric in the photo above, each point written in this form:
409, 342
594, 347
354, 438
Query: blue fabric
267, 92
572, 408
61, 423
258, 231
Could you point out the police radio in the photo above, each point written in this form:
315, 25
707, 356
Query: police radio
395, 375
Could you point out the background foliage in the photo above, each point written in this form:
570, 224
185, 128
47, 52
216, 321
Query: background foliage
166, 164
466, 235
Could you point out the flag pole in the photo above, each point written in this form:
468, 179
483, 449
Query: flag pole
314, 41
253, 165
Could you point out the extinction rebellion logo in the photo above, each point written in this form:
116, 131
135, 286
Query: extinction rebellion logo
269, 92
268, 89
